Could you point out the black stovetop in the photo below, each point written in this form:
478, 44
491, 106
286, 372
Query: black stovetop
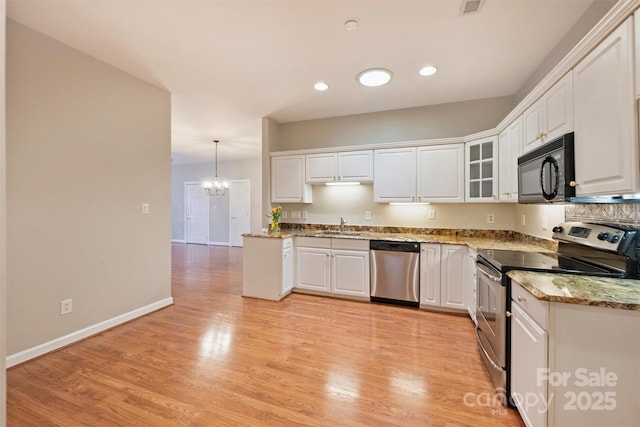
505, 260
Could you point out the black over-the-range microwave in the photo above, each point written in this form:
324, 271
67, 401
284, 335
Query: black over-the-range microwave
547, 174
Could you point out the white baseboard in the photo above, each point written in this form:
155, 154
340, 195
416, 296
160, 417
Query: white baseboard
219, 243
178, 241
39, 350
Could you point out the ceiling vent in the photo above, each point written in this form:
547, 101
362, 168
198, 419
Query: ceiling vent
470, 6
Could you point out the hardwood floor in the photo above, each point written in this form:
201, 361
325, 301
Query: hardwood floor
215, 358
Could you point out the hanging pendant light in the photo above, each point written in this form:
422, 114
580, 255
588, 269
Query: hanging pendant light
216, 187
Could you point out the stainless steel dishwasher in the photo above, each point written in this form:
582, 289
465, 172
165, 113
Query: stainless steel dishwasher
395, 272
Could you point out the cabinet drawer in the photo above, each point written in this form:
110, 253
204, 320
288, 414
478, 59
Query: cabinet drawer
352, 244
314, 242
536, 309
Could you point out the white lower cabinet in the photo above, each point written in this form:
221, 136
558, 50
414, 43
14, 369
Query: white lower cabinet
443, 281
529, 351
333, 266
267, 267
572, 364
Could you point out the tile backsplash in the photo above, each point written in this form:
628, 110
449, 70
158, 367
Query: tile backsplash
616, 213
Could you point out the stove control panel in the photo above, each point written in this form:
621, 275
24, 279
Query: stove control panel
594, 235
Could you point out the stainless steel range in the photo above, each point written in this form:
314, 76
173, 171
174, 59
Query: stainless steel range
583, 248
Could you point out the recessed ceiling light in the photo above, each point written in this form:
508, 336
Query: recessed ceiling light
429, 70
374, 77
321, 86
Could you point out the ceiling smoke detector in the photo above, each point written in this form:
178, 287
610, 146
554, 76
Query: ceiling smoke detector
470, 6
351, 25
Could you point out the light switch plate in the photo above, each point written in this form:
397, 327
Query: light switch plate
367, 215
432, 214
145, 208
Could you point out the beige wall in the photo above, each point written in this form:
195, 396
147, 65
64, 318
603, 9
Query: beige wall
534, 215
410, 124
587, 21
3, 235
87, 144
351, 202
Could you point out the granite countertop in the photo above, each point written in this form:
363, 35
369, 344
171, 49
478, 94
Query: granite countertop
487, 239
585, 290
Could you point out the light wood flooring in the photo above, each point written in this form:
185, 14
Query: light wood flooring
215, 358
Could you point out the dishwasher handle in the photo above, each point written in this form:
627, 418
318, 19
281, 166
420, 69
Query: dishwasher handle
387, 245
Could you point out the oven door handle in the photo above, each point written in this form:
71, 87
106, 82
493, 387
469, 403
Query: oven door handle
488, 273
486, 354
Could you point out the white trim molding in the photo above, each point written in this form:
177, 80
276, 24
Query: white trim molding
178, 241
55, 344
219, 243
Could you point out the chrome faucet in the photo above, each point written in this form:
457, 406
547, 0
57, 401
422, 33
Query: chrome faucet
342, 223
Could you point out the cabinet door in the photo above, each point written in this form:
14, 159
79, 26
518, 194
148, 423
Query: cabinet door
440, 171
510, 148
606, 149
482, 170
321, 167
287, 270
394, 175
472, 284
558, 109
287, 180
350, 273
453, 284
313, 269
529, 355
355, 166
533, 118
430, 275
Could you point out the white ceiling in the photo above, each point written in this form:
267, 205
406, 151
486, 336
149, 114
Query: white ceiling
228, 63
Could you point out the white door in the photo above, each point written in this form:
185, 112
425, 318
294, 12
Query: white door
239, 207
197, 213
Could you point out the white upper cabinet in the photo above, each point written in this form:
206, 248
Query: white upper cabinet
355, 166
348, 166
551, 116
482, 170
394, 175
510, 148
288, 180
440, 172
322, 167
606, 147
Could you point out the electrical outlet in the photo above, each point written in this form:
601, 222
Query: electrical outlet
490, 218
305, 214
432, 214
523, 220
66, 306
367, 215
284, 214
145, 208
545, 222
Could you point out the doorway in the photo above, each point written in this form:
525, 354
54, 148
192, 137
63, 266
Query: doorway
196, 213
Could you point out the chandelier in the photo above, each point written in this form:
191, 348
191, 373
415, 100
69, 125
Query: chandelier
216, 187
